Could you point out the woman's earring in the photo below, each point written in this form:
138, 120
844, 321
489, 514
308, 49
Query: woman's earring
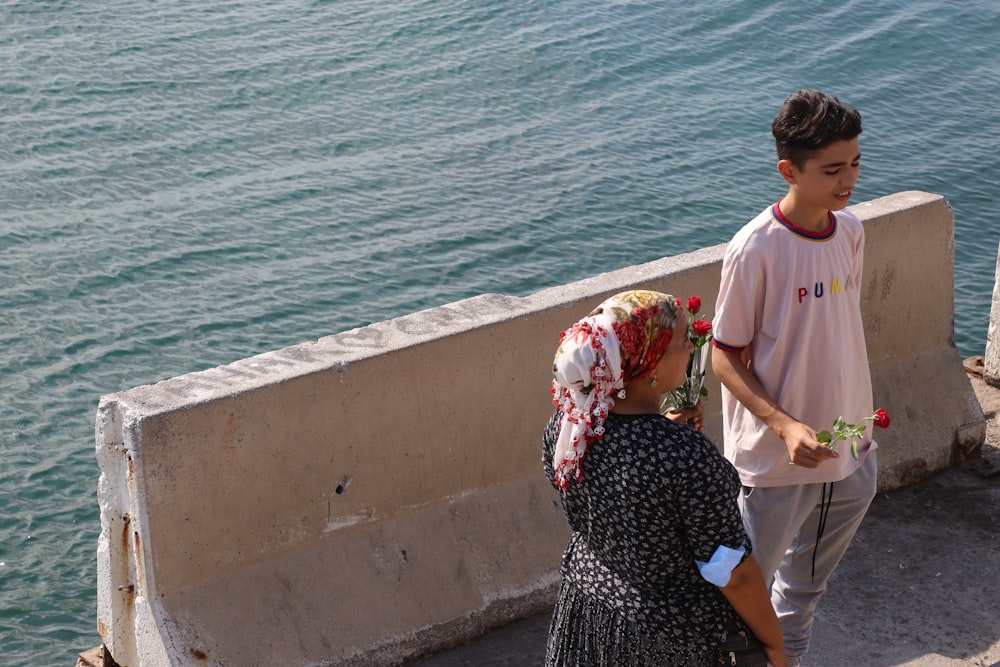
654, 382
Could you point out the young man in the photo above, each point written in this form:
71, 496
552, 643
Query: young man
789, 348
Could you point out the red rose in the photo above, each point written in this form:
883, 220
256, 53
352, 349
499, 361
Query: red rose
881, 418
704, 328
694, 304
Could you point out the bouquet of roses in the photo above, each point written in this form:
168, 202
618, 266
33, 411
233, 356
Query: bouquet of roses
693, 389
842, 430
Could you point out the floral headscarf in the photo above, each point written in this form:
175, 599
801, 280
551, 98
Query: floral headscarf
619, 342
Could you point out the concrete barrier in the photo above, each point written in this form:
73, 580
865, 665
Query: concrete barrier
377, 494
991, 360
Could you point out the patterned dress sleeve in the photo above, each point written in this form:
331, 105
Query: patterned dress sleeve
706, 491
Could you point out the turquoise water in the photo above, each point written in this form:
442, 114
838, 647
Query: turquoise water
184, 184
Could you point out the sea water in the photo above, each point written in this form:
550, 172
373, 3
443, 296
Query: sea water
184, 184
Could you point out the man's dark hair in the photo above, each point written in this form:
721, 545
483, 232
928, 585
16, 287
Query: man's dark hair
809, 121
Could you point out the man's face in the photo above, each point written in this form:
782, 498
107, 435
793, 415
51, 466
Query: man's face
827, 178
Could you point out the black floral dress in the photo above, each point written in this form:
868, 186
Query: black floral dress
655, 496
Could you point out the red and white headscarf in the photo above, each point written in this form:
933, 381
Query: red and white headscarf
619, 342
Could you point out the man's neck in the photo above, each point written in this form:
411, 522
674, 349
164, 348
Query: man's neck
800, 214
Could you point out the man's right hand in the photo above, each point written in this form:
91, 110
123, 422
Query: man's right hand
803, 447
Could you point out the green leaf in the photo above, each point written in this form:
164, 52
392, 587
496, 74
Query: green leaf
824, 436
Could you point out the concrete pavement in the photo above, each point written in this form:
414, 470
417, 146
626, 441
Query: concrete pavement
920, 586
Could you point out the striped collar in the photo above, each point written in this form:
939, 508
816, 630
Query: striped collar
827, 233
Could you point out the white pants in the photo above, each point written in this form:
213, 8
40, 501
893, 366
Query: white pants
782, 522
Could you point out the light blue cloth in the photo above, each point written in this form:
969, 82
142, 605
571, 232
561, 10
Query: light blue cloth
720, 566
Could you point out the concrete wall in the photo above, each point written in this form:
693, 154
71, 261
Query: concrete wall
375, 494
991, 360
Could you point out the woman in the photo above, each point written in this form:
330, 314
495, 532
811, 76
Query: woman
659, 563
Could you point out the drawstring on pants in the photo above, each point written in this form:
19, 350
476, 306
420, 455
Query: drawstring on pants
824, 509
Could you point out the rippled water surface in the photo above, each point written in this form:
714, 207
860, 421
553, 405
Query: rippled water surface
184, 184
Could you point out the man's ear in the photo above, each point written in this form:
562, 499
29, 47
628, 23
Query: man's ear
787, 171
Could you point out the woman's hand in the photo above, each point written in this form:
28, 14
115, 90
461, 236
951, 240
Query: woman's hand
693, 417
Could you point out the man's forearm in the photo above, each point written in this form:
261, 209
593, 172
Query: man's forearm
747, 389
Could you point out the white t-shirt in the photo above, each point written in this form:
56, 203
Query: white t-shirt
794, 297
